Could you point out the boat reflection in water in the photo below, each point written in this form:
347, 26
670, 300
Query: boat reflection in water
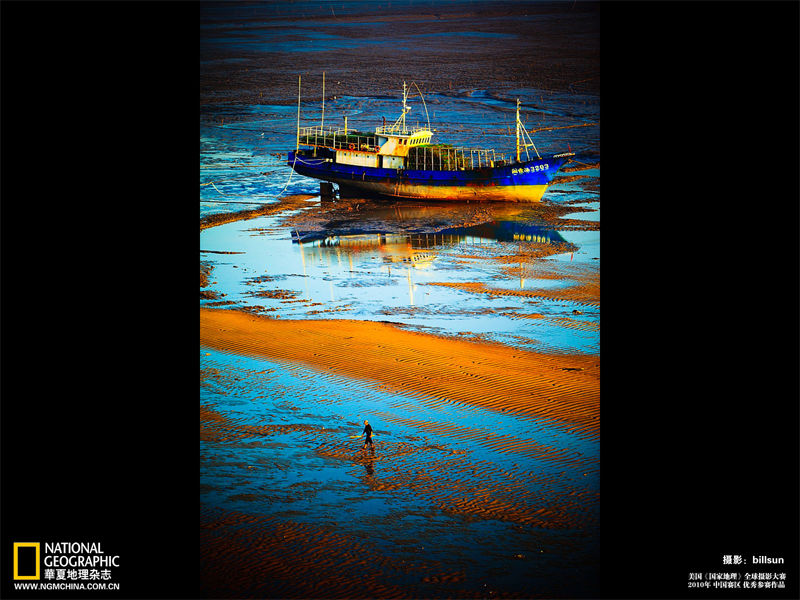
411, 235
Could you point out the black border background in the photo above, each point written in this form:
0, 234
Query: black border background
700, 293
699, 289
98, 207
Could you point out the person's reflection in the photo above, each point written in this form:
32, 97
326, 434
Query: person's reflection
369, 463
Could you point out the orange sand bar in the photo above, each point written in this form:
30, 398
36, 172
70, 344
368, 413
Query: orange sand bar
563, 389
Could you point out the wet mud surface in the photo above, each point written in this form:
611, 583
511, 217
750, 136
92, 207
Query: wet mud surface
286, 202
248, 50
467, 334
458, 499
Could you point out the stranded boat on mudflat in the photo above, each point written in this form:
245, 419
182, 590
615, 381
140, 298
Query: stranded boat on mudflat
400, 162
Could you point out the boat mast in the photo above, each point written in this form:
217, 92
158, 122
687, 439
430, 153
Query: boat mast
297, 148
525, 143
517, 129
322, 126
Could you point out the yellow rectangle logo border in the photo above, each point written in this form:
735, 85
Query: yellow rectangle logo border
18, 545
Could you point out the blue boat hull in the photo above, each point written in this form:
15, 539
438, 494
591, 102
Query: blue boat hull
518, 182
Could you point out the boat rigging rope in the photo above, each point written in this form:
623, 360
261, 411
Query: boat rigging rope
563, 127
577, 162
425, 106
291, 172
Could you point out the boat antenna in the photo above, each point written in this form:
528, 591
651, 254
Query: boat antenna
400, 124
423, 104
322, 125
405, 107
297, 148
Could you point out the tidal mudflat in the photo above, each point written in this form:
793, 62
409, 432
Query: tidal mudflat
466, 334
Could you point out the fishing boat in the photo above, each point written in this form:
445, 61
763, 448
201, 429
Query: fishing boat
398, 161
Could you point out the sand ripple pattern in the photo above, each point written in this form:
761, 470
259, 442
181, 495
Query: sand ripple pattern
251, 556
581, 295
561, 390
566, 322
450, 481
276, 467
501, 443
444, 477
218, 428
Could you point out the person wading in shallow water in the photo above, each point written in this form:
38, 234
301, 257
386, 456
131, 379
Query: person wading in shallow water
368, 434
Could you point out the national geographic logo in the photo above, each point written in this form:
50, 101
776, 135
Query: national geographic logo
76, 565
26, 560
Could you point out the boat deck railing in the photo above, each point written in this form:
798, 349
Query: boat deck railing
339, 139
397, 130
447, 158
425, 157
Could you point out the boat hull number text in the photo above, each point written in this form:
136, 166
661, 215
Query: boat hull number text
543, 167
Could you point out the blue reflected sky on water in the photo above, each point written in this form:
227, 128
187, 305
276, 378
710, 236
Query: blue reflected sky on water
391, 277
